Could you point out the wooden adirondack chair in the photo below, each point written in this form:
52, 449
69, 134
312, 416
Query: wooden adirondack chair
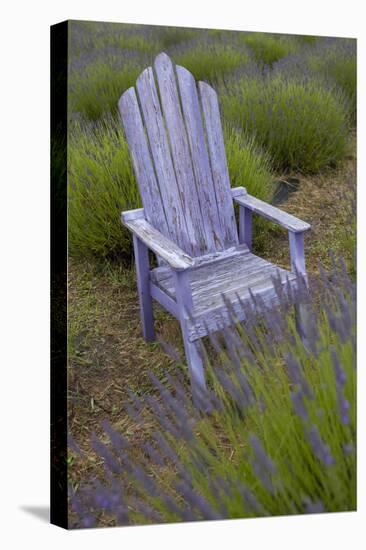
174, 134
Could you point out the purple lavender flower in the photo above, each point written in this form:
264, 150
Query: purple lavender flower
197, 501
260, 454
118, 441
320, 449
340, 375
348, 448
344, 407
71, 443
341, 379
251, 501
147, 511
153, 454
296, 375
80, 505
262, 464
231, 388
311, 507
102, 450
299, 405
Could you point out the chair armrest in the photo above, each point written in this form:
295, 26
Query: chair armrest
174, 256
272, 213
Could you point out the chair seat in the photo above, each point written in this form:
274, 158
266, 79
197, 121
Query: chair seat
234, 278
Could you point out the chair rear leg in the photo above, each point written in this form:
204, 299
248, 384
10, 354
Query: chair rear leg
143, 285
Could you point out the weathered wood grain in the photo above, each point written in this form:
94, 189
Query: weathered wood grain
220, 173
233, 275
158, 243
163, 164
141, 160
178, 140
135, 214
272, 213
143, 285
216, 319
183, 294
200, 160
237, 277
164, 300
215, 257
297, 255
245, 226
237, 191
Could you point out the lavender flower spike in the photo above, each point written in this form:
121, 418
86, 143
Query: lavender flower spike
261, 455
320, 449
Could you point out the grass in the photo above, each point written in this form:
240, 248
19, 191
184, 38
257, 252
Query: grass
303, 125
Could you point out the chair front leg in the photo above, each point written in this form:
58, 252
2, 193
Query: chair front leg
195, 364
297, 253
302, 313
143, 285
245, 226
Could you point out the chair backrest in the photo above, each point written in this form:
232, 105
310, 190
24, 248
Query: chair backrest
174, 134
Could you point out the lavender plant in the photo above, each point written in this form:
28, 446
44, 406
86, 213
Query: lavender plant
303, 124
275, 433
268, 48
333, 60
98, 78
89, 36
101, 185
248, 164
210, 59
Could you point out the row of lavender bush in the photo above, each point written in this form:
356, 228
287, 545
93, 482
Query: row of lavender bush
275, 434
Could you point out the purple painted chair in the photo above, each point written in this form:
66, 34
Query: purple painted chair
174, 133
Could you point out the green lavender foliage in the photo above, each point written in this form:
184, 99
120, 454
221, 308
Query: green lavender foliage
268, 48
301, 123
339, 62
94, 90
248, 164
210, 61
101, 186
331, 60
